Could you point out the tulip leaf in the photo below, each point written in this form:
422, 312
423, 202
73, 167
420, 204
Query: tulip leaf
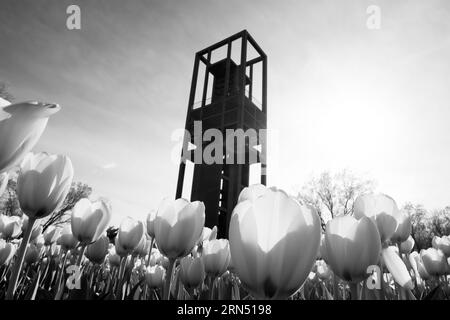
133, 290
436, 294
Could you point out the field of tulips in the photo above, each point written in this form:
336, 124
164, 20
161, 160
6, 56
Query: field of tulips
276, 248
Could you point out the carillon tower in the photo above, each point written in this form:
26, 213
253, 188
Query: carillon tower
228, 92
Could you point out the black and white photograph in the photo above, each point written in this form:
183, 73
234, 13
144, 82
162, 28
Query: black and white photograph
222, 154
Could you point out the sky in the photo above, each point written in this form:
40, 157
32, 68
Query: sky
340, 95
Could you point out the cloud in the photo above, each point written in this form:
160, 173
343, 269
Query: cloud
108, 166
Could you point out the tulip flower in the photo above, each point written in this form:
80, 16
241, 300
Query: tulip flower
216, 257
51, 235
97, 251
442, 244
407, 246
114, 258
33, 254
208, 234
20, 132
273, 242
10, 227
3, 182
404, 226
90, 220
322, 270
382, 209
434, 261
192, 272
143, 247
66, 239
130, 234
178, 225
352, 246
43, 184
396, 267
7, 251
151, 223
154, 276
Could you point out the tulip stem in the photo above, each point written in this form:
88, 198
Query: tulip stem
19, 262
80, 257
150, 252
354, 290
168, 279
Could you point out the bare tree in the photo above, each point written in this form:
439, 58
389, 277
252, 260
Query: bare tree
333, 194
4, 93
77, 191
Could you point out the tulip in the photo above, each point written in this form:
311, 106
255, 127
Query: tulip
143, 248
154, 276
396, 267
39, 241
352, 246
273, 242
192, 272
3, 182
90, 220
407, 246
97, 251
178, 225
151, 223
32, 254
404, 227
10, 227
114, 258
119, 249
252, 192
382, 209
216, 257
442, 244
208, 234
130, 234
66, 239
43, 184
322, 270
7, 251
434, 261
21, 131
51, 234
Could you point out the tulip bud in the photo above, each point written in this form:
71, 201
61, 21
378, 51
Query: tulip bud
273, 242
66, 239
407, 246
7, 251
404, 227
352, 246
396, 267
51, 234
21, 131
130, 234
10, 227
322, 270
155, 276
32, 254
43, 183
216, 257
434, 261
382, 209
90, 220
97, 251
442, 244
178, 226
114, 259
192, 272
208, 234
